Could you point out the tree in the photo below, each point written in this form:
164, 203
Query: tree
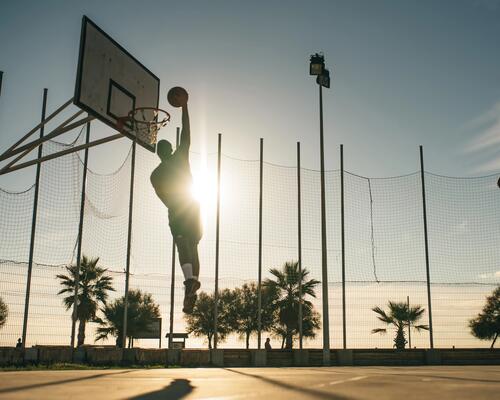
141, 311
244, 310
400, 316
4, 312
486, 326
310, 324
93, 287
286, 286
201, 321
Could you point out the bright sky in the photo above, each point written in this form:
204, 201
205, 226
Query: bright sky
405, 73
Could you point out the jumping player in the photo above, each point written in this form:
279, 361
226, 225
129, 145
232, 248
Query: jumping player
172, 181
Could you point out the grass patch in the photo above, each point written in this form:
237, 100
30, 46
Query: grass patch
76, 367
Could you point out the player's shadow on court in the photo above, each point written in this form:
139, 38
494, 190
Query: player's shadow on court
178, 389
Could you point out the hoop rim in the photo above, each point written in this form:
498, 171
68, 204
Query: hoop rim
166, 118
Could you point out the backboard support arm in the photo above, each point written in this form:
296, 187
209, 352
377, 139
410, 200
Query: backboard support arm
35, 129
62, 128
61, 153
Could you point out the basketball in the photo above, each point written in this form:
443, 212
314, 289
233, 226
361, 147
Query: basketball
177, 96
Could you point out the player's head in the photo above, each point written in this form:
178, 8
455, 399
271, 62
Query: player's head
164, 149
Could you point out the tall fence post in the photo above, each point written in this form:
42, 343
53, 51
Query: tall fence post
342, 233
129, 245
299, 244
324, 251
217, 231
424, 208
33, 226
80, 238
172, 274
409, 322
259, 283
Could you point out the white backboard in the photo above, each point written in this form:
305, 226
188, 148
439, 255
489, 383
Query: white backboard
110, 82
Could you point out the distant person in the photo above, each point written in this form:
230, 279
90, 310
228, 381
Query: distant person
267, 345
19, 343
172, 182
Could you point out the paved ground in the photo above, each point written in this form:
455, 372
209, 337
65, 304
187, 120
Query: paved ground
257, 383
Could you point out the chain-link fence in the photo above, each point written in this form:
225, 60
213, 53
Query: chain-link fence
385, 256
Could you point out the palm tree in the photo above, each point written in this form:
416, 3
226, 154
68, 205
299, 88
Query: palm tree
399, 315
310, 324
4, 312
141, 311
286, 285
93, 287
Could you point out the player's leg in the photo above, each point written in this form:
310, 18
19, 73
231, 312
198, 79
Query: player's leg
195, 260
191, 283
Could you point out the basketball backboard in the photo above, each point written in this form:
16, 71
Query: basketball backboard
110, 82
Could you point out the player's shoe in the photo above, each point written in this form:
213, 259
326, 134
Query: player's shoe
190, 296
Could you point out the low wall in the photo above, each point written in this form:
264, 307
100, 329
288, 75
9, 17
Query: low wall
110, 355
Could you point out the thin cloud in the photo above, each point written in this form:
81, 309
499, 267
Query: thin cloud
486, 139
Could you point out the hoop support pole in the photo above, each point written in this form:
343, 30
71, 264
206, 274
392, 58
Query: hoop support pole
129, 246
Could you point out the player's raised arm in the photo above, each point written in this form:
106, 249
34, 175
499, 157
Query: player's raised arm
186, 129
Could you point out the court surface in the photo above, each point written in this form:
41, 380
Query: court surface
439, 382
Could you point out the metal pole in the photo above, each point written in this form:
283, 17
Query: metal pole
422, 175
409, 326
33, 227
259, 283
217, 231
324, 263
80, 238
129, 244
299, 243
172, 274
159, 338
342, 232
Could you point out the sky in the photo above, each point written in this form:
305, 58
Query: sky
405, 73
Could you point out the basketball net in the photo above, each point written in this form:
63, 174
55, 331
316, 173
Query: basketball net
144, 122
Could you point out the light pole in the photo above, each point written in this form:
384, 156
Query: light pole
317, 68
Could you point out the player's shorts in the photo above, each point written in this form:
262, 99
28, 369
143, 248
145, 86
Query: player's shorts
184, 220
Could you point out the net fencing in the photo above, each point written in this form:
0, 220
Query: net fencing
384, 246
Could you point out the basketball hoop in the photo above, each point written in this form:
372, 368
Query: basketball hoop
144, 122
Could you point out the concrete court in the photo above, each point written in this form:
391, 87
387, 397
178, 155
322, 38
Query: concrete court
337, 383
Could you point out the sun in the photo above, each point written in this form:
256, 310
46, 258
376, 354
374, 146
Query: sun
204, 190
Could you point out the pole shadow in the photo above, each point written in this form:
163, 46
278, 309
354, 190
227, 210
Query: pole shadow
303, 390
41, 385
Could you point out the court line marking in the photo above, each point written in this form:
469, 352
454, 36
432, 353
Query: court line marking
353, 379
255, 394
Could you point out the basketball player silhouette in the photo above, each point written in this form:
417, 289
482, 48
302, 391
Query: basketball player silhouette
172, 181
